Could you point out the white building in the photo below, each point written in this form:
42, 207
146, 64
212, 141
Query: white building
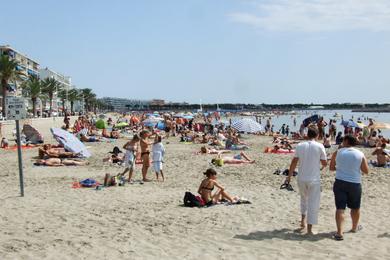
65, 81
26, 67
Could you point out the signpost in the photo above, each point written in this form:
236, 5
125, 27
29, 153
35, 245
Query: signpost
16, 110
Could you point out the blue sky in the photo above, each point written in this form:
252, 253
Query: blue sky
240, 51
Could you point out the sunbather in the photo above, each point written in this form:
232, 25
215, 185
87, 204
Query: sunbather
240, 158
55, 162
382, 157
207, 186
47, 151
205, 150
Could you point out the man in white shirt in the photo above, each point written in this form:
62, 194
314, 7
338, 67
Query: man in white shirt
311, 156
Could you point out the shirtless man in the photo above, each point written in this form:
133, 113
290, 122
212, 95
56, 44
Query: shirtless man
48, 151
382, 158
56, 162
145, 153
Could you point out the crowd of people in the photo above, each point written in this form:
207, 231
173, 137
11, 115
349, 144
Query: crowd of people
311, 147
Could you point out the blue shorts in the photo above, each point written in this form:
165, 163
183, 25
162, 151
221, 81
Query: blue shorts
347, 194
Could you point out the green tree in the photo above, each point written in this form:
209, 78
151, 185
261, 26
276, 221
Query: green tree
88, 96
32, 89
51, 86
63, 95
8, 73
73, 96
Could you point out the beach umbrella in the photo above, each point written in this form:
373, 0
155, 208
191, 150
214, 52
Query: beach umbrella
378, 125
161, 125
152, 121
101, 124
311, 119
247, 125
70, 142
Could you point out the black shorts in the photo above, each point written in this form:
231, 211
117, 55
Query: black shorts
347, 194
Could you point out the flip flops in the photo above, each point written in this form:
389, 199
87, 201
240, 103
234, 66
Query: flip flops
287, 186
338, 237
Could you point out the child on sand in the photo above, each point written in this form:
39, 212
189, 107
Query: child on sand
158, 155
129, 159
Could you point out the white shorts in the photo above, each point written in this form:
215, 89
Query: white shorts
157, 166
129, 160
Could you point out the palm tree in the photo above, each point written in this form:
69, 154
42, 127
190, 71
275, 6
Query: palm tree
32, 89
8, 73
73, 95
50, 86
63, 95
88, 96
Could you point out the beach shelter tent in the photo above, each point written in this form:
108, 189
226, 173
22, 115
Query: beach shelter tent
32, 134
101, 124
378, 125
311, 119
121, 124
70, 142
247, 125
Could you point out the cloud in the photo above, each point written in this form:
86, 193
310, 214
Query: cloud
317, 15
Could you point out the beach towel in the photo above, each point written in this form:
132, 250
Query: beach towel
70, 142
23, 147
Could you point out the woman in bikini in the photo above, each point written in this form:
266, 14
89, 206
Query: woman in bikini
207, 186
145, 153
240, 158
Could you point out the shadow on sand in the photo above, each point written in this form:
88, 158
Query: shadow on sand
386, 235
285, 234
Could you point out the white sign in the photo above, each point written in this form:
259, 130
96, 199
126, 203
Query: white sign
15, 108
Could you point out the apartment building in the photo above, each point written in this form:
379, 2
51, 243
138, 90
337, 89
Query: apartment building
26, 67
65, 81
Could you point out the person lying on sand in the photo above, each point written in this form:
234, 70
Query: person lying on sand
207, 186
240, 158
48, 151
382, 157
89, 139
277, 149
55, 162
205, 150
112, 135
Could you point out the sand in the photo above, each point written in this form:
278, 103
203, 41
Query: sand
54, 221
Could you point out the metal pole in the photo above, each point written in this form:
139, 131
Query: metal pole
20, 159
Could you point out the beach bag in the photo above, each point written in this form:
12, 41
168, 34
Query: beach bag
190, 200
88, 183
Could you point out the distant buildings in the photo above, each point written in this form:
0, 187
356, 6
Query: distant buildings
28, 66
124, 104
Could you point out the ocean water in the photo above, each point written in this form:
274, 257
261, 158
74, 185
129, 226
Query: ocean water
279, 120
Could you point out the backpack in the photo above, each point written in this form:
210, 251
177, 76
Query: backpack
190, 200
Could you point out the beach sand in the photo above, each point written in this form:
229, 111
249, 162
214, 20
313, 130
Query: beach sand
54, 221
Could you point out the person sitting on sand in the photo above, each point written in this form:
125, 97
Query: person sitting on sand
54, 152
60, 162
207, 186
205, 150
240, 158
4, 143
115, 156
382, 157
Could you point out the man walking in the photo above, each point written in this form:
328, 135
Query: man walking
311, 156
348, 163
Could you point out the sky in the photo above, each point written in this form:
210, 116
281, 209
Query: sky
217, 51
